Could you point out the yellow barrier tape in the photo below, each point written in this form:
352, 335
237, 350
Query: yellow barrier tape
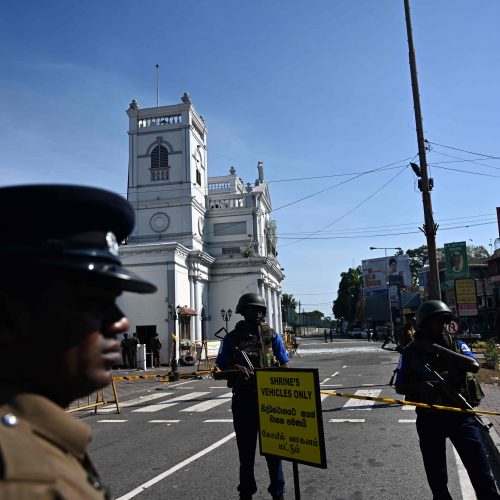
410, 403
138, 377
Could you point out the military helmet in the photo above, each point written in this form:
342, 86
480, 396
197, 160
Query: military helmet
250, 299
431, 308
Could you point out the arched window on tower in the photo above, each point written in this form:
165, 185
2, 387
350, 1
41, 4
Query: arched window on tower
159, 163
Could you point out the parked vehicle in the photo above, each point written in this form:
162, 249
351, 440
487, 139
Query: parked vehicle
357, 333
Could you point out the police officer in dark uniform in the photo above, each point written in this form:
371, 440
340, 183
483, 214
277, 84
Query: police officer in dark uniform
60, 276
456, 364
251, 344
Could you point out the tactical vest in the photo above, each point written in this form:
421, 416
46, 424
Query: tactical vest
465, 383
256, 343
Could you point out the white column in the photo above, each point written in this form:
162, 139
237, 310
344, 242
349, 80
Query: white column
275, 307
280, 318
198, 286
269, 302
192, 319
260, 284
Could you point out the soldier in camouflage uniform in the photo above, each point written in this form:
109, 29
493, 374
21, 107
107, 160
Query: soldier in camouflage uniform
264, 348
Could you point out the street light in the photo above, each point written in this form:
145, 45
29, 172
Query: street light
226, 316
387, 280
173, 312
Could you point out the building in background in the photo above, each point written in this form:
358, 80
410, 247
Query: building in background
203, 241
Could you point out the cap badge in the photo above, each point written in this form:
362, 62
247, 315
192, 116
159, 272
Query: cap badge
112, 244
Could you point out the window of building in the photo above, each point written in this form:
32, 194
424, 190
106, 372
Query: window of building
198, 177
231, 251
159, 157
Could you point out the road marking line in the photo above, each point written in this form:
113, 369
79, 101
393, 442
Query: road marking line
133, 402
112, 421
226, 395
153, 408
408, 407
468, 492
388, 362
190, 396
354, 404
368, 385
345, 366
217, 387
177, 467
323, 396
205, 405
407, 420
348, 420
334, 385
326, 380
164, 421
221, 420
335, 374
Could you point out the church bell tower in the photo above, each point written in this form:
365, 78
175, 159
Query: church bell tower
167, 173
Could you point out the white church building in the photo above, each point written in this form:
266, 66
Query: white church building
203, 241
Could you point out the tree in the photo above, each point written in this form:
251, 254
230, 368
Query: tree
288, 306
477, 253
288, 302
347, 303
419, 258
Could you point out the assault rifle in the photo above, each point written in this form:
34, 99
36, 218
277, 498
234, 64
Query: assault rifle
437, 381
219, 373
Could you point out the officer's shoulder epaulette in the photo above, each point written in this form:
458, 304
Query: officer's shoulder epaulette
22, 455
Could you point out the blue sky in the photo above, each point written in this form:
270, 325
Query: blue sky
311, 89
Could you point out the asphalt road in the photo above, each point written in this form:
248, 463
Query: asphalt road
177, 442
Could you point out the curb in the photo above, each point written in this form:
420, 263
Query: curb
492, 442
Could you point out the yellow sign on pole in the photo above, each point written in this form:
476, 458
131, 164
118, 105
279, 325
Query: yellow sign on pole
291, 423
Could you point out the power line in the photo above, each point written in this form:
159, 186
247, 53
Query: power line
463, 171
464, 150
352, 210
344, 182
473, 161
380, 235
394, 226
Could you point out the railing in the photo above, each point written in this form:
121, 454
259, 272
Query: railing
224, 203
156, 121
159, 174
212, 186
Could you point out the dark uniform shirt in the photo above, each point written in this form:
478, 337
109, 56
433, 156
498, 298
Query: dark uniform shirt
43, 452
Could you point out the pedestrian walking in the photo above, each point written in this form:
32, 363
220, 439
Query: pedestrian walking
325, 334
125, 347
252, 340
456, 364
331, 335
60, 280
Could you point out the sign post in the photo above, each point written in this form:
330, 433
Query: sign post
291, 423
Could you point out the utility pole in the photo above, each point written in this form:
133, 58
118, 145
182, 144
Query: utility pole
429, 228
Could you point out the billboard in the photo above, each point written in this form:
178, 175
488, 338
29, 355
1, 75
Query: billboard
378, 273
466, 297
457, 263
